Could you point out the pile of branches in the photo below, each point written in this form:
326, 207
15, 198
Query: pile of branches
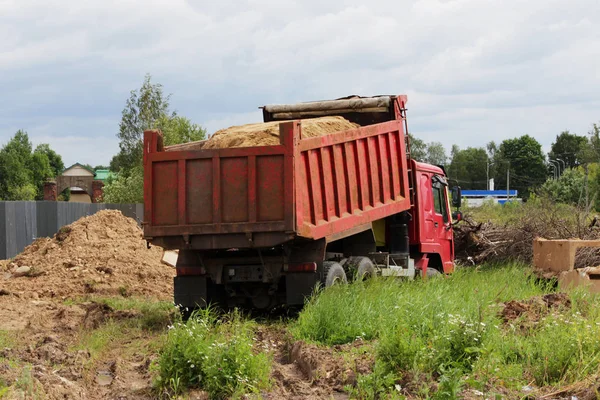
479, 242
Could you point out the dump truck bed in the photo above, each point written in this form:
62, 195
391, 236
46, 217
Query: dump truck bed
330, 187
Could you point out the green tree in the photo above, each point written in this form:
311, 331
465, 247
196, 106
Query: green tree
569, 188
436, 154
23, 173
524, 158
40, 169
177, 129
468, 167
591, 154
55, 160
118, 162
125, 188
418, 148
15, 180
146, 108
143, 109
15, 177
569, 148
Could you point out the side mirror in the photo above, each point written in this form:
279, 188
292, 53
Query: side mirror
457, 216
456, 196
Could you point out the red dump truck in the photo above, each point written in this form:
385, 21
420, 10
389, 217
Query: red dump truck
262, 226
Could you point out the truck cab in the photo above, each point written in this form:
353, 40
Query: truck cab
431, 234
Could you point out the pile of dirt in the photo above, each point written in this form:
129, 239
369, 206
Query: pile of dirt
529, 312
267, 134
104, 253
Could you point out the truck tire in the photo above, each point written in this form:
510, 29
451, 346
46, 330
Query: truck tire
360, 268
333, 273
433, 273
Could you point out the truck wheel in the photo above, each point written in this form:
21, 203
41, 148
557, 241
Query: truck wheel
333, 273
361, 268
433, 273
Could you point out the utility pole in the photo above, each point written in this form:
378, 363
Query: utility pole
587, 189
508, 182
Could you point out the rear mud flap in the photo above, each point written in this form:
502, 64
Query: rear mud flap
299, 287
190, 291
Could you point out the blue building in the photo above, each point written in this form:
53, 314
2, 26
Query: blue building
475, 198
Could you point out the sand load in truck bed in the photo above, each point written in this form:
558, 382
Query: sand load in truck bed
267, 134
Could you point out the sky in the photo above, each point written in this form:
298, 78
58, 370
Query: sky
473, 70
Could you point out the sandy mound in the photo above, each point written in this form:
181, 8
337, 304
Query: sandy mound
267, 134
103, 254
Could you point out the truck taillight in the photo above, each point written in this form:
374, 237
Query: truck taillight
183, 271
302, 267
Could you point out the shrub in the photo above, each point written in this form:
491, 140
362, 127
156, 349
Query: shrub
212, 354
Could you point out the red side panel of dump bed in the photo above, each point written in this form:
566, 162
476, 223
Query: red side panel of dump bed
349, 179
329, 186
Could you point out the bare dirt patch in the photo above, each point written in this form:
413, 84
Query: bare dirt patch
102, 254
45, 357
306, 371
529, 312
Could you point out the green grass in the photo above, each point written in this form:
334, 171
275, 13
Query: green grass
98, 340
536, 208
149, 317
214, 354
152, 314
7, 339
449, 331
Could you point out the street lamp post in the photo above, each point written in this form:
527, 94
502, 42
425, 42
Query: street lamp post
556, 166
563, 163
553, 170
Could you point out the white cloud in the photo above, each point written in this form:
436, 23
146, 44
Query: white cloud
474, 70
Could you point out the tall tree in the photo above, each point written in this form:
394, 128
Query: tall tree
23, 173
146, 108
178, 129
41, 170
142, 110
15, 177
569, 148
418, 148
526, 161
55, 160
468, 167
591, 154
436, 154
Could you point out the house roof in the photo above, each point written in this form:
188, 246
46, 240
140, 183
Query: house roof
81, 166
103, 174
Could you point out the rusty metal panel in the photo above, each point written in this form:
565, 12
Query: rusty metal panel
270, 187
199, 191
165, 193
234, 190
